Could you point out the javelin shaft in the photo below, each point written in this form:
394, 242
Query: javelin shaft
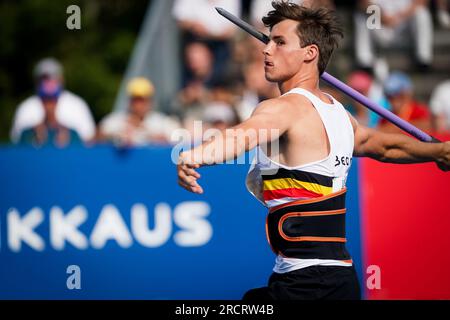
382, 112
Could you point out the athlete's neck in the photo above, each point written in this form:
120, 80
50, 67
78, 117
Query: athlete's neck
306, 81
307, 78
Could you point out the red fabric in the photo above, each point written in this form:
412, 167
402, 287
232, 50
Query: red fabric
291, 192
406, 229
418, 112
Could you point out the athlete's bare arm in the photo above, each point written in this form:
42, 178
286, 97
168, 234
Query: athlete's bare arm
398, 148
274, 116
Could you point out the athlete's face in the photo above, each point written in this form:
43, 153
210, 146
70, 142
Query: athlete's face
283, 56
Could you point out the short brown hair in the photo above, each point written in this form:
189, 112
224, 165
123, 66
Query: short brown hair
318, 26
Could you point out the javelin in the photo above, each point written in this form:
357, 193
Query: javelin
382, 112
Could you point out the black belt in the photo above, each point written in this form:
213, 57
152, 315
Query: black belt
309, 229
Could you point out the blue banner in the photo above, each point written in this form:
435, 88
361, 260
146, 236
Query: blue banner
106, 223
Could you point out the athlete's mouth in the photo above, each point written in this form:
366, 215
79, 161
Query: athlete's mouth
268, 64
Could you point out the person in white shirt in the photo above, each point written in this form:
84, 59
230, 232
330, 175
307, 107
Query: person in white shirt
199, 22
440, 106
140, 125
400, 19
200, 17
71, 110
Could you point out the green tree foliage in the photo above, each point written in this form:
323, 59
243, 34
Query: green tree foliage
94, 58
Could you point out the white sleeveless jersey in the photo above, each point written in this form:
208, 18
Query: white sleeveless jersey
309, 180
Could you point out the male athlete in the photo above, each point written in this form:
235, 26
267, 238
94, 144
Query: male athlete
304, 188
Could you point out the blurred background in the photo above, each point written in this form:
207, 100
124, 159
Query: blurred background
91, 93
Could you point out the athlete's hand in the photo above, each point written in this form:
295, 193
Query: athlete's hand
444, 162
187, 176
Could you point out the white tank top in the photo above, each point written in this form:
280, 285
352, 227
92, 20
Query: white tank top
334, 169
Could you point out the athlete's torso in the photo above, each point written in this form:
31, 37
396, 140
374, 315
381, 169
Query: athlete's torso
275, 184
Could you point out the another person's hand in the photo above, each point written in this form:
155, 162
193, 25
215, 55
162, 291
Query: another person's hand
187, 176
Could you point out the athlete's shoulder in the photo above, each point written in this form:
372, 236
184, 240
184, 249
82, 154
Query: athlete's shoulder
295, 99
284, 104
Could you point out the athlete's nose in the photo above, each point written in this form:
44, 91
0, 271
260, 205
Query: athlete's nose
267, 49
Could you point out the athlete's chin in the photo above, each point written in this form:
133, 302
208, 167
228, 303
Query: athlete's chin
270, 77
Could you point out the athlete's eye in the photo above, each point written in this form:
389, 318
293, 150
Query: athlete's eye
279, 42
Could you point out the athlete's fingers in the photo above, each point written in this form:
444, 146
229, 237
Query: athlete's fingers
192, 181
192, 172
184, 185
189, 170
198, 190
193, 165
181, 173
444, 162
443, 167
185, 171
195, 189
188, 179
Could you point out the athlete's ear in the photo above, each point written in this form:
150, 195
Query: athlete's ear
312, 51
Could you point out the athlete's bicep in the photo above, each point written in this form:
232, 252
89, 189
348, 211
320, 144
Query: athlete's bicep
269, 121
368, 142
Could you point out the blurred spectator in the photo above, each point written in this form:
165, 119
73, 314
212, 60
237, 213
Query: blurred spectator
219, 112
70, 110
199, 21
257, 89
440, 106
215, 108
400, 20
199, 62
399, 90
49, 131
219, 115
199, 17
140, 124
365, 84
195, 92
443, 14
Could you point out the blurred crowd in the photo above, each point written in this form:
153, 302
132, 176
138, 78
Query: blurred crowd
223, 78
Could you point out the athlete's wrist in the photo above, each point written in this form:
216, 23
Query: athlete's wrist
190, 158
442, 153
